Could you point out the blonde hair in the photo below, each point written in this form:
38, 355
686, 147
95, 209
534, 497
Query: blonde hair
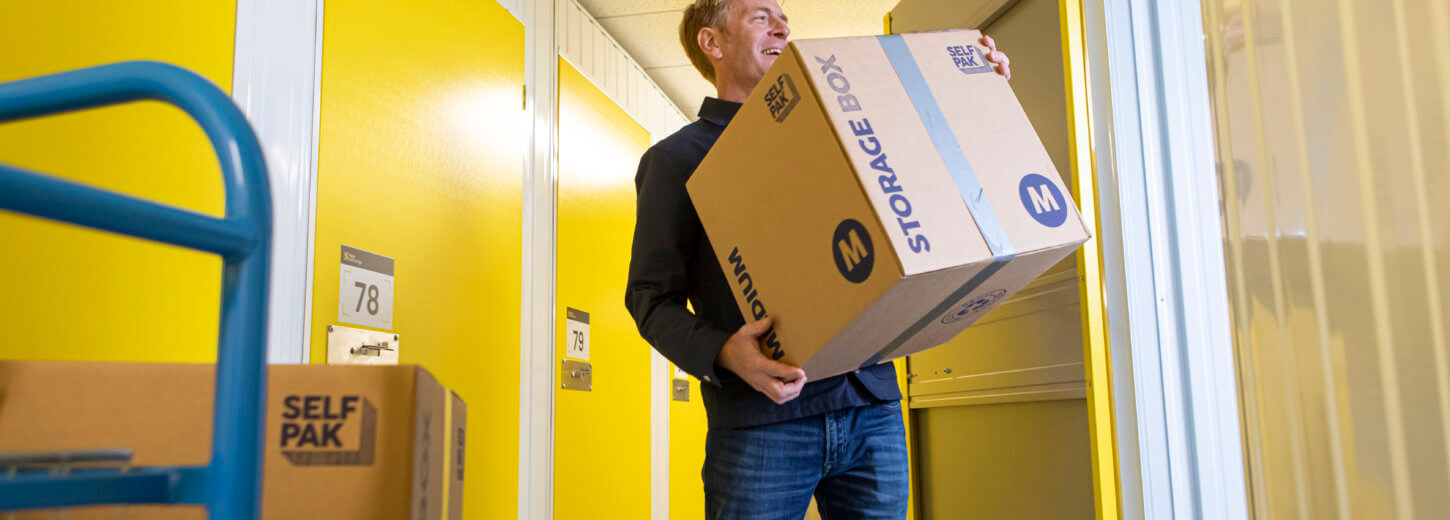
699, 15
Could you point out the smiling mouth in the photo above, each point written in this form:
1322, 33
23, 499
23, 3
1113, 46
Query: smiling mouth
771, 52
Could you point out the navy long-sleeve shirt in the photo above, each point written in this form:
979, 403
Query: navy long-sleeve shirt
672, 263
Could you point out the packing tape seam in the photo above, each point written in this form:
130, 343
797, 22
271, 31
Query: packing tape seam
965, 179
946, 144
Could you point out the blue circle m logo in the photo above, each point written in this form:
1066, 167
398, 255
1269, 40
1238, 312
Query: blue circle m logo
1043, 200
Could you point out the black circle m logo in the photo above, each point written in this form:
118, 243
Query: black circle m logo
851, 245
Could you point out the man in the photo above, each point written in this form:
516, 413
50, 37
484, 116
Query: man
774, 439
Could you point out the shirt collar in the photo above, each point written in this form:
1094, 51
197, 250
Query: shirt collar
718, 111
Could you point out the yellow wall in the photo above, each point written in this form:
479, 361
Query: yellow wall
601, 437
420, 159
1005, 461
1331, 122
76, 294
912, 451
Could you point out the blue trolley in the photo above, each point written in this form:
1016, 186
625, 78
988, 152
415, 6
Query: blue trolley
230, 485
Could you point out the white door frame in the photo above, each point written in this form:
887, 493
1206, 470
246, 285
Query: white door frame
277, 83
1175, 394
536, 354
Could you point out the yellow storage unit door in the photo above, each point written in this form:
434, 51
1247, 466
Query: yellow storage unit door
602, 436
687, 453
420, 159
76, 294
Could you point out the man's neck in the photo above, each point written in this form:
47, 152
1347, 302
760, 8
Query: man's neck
732, 91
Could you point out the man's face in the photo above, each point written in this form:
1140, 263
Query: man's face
755, 34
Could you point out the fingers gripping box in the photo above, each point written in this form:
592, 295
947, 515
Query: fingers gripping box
877, 195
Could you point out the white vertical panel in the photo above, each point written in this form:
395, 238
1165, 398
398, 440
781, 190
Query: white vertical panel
602, 53
276, 83
536, 349
597, 44
602, 59
631, 88
614, 55
561, 24
622, 72
572, 31
588, 45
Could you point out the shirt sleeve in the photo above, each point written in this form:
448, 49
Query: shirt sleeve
666, 233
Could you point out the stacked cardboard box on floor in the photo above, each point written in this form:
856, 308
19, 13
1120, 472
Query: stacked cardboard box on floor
346, 442
877, 195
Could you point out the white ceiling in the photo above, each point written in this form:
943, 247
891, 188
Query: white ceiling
648, 30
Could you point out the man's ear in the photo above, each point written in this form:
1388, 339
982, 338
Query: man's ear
709, 40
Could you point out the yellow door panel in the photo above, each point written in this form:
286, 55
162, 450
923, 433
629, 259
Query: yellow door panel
687, 454
420, 159
77, 294
601, 437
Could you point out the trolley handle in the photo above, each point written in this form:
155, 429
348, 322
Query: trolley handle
230, 485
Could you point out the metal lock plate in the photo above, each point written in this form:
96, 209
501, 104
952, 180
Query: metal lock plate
576, 375
352, 346
682, 390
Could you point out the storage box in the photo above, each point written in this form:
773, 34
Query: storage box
877, 195
347, 442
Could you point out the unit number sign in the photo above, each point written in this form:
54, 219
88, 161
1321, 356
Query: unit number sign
365, 289
576, 334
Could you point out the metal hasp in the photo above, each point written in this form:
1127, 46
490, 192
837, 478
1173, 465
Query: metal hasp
230, 485
576, 375
354, 346
680, 389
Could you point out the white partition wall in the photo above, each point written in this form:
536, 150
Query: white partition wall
562, 28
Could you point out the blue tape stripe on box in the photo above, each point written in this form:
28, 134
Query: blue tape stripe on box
945, 142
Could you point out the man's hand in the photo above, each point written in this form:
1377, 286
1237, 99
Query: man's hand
998, 58
741, 355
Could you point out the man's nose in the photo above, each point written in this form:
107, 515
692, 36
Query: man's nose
780, 29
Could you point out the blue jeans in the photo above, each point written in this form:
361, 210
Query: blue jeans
853, 461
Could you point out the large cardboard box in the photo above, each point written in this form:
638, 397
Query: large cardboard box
877, 195
346, 442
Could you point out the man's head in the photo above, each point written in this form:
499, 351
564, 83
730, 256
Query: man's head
733, 42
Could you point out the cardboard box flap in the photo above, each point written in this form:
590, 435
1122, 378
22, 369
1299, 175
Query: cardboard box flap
892, 154
1015, 176
458, 430
430, 446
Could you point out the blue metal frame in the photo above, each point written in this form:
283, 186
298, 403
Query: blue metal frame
230, 486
